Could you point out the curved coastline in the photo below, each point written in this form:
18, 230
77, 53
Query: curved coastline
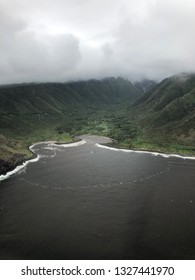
70, 144
165, 155
24, 162
15, 168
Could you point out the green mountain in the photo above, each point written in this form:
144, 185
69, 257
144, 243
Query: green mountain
167, 112
56, 111
162, 119
145, 85
56, 97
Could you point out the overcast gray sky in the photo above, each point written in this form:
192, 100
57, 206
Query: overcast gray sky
61, 40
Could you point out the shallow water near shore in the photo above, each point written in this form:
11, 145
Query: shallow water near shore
85, 201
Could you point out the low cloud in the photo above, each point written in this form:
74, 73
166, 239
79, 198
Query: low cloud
25, 57
69, 40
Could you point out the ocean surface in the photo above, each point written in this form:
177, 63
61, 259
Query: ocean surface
88, 201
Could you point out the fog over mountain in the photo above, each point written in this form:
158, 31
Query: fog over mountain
62, 40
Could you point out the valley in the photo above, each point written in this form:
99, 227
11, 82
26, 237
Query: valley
161, 119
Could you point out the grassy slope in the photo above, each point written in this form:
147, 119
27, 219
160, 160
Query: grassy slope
165, 116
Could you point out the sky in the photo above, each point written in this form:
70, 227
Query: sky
63, 40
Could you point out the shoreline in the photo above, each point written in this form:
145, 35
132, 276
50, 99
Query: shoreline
154, 152
12, 168
115, 145
9, 166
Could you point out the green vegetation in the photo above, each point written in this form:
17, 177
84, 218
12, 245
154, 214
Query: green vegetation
31, 113
166, 115
161, 119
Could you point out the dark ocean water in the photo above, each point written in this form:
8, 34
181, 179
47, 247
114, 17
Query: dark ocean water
88, 202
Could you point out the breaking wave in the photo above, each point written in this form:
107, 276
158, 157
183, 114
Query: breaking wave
82, 142
31, 148
145, 152
18, 168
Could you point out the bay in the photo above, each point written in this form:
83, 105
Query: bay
85, 201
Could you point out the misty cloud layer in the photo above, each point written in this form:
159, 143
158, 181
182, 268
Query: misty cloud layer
61, 40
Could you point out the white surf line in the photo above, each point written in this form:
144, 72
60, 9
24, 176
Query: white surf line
18, 168
75, 144
21, 166
145, 152
24, 164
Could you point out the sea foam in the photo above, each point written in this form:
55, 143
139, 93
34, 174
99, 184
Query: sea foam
31, 148
21, 166
75, 144
18, 168
145, 152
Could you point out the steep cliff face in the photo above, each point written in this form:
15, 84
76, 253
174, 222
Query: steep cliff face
56, 97
176, 89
